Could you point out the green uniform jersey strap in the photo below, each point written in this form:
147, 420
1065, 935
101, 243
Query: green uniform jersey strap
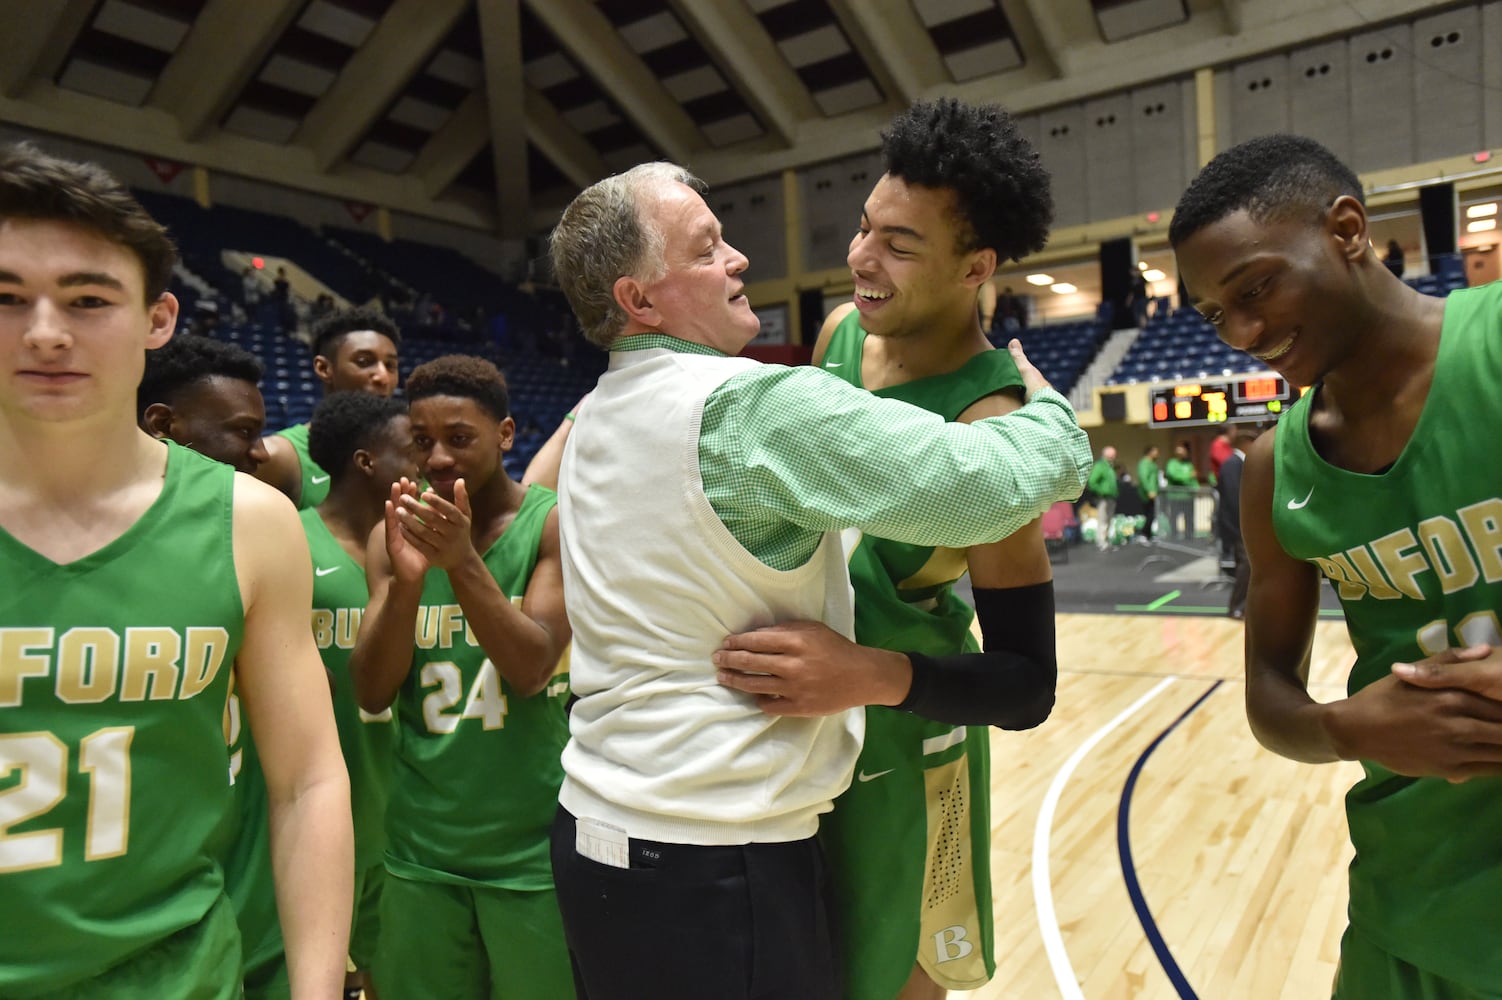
315, 482
922, 891
476, 775
910, 603
1415, 554
339, 598
114, 674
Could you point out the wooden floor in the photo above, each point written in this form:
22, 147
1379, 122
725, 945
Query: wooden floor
1240, 855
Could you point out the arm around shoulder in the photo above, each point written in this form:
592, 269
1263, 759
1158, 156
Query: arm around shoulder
282, 469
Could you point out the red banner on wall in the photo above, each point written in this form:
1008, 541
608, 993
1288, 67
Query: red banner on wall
165, 170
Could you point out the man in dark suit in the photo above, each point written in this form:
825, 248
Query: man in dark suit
1228, 518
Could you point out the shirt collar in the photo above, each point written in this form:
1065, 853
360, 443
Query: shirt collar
662, 341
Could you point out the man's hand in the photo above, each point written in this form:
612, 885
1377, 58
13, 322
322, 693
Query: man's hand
408, 564
1477, 669
1447, 733
1032, 378
436, 528
807, 669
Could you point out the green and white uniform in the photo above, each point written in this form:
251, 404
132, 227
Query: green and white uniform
339, 599
1415, 553
474, 786
114, 674
922, 887
315, 482
248, 877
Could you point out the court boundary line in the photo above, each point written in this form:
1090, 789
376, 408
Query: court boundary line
1129, 869
1048, 920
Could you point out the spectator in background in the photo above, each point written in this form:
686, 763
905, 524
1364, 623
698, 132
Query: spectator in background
1103, 487
1178, 493
1011, 312
1220, 450
1394, 258
250, 289
1147, 489
1137, 298
1228, 520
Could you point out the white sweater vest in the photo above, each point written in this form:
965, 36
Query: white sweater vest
654, 582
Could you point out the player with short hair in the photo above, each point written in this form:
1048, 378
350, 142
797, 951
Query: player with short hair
469, 569
365, 443
961, 192
113, 699
354, 350
1371, 480
204, 394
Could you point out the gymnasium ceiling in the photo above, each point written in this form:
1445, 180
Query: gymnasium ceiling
492, 113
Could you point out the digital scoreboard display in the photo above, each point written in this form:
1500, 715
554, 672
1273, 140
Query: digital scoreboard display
1256, 397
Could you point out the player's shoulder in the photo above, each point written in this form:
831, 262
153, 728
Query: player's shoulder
259, 505
832, 322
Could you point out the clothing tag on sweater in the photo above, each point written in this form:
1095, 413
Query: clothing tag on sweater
602, 842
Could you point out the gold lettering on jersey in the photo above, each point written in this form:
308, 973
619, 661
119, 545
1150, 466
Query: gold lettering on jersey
151, 660
93, 663
1361, 558
206, 648
88, 665
1402, 561
1483, 522
426, 636
439, 624
1348, 582
1448, 554
323, 627
1392, 567
24, 652
337, 627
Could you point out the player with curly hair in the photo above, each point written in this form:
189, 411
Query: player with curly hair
354, 350
471, 568
963, 191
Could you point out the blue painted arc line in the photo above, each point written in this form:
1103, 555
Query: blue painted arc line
1129, 870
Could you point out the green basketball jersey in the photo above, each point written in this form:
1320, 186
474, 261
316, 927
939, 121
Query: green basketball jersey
339, 599
248, 876
1415, 554
114, 674
315, 482
905, 593
922, 891
474, 787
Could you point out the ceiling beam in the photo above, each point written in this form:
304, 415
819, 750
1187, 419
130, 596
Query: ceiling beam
758, 72
458, 141
152, 132
1035, 44
227, 44
893, 35
570, 152
402, 42
501, 40
593, 42
37, 38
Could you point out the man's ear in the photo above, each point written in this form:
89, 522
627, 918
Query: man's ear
1345, 221
163, 314
364, 461
323, 368
636, 302
982, 265
157, 421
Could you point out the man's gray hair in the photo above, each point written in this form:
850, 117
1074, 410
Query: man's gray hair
607, 233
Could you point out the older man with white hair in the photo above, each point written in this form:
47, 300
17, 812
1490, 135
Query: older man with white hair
701, 496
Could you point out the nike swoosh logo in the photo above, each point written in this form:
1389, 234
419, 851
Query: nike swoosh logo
833, 364
326, 572
863, 776
1301, 504
318, 480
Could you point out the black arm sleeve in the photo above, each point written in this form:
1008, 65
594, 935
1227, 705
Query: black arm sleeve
1011, 684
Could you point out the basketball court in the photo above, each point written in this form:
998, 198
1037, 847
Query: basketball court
1143, 844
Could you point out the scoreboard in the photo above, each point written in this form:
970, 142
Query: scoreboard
1188, 404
